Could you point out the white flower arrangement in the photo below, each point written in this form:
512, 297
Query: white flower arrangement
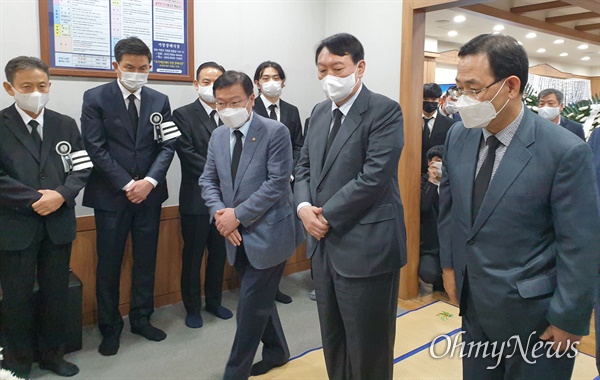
5, 374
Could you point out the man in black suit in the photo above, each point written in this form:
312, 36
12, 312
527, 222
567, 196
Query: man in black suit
269, 77
435, 125
551, 102
42, 169
347, 197
197, 121
430, 269
127, 186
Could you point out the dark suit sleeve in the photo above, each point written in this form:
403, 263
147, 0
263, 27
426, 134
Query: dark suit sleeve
210, 183
15, 194
429, 194
444, 217
158, 170
75, 180
302, 173
94, 139
578, 130
296, 135
279, 169
189, 157
382, 154
576, 217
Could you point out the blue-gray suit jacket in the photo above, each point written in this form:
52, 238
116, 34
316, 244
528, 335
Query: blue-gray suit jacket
532, 252
261, 194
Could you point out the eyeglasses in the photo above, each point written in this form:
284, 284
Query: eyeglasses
234, 104
473, 94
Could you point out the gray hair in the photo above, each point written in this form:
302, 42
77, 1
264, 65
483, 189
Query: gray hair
24, 63
549, 91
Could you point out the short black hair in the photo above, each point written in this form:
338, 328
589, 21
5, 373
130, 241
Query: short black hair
435, 151
505, 55
342, 44
133, 46
451, 89
207, 65
230, 78
432, 90
261, 68
560, 97
24, 63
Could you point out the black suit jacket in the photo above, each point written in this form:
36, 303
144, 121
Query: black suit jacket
573, 126
441, 125
117, 154
24, 171
192, 147
430, 208
290, 117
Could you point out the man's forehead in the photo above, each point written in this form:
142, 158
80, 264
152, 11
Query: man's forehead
327, 57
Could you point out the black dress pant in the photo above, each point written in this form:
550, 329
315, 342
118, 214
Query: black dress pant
112, 230
358, 321
49, 263
257, 319
198, 233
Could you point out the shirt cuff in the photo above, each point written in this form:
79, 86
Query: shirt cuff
151, 180
302, 204
128, 184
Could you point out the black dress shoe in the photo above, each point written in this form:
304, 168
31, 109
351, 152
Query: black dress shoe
110, 345
282, 297
149, 332
263, 367
61, 367
220, 311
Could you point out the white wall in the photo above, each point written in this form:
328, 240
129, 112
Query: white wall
239, 35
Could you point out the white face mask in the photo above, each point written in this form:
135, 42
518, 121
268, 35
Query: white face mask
451, 108
338, 89
32, 102
549, 113
476, 114
133, 81
438, 166
271, 88
234, 118
206, 94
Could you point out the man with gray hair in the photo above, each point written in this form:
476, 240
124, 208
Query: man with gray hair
551, 102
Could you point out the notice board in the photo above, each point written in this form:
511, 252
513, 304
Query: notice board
78, 36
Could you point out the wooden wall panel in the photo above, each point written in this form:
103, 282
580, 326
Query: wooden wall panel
168, 265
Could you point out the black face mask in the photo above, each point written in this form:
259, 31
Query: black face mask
430, 106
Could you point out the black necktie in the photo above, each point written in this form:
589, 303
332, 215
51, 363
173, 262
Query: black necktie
212, 117
133, 115
426, 131
337, 123
237, 153
272, 113
484, 176
35, 136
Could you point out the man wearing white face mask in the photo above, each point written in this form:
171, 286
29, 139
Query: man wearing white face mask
448, 104
269, 77
348, 199
42, 169
518, 222
127, 187
246, 186
196, 122
551, 102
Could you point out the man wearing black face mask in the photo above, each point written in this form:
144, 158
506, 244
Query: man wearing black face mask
435, 126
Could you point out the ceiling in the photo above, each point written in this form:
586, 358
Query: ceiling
519, 21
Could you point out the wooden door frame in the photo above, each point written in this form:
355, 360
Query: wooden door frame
411, 100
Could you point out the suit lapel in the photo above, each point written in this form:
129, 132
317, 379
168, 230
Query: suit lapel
250, 144
515, 159
259, 107
349, 125
145, 111
119, 102
19, 129
283, 112
320, 124
204, 118
468, 165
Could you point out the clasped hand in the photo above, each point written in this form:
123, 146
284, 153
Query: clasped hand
50, 201
313, 221
227, 224
138, 191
